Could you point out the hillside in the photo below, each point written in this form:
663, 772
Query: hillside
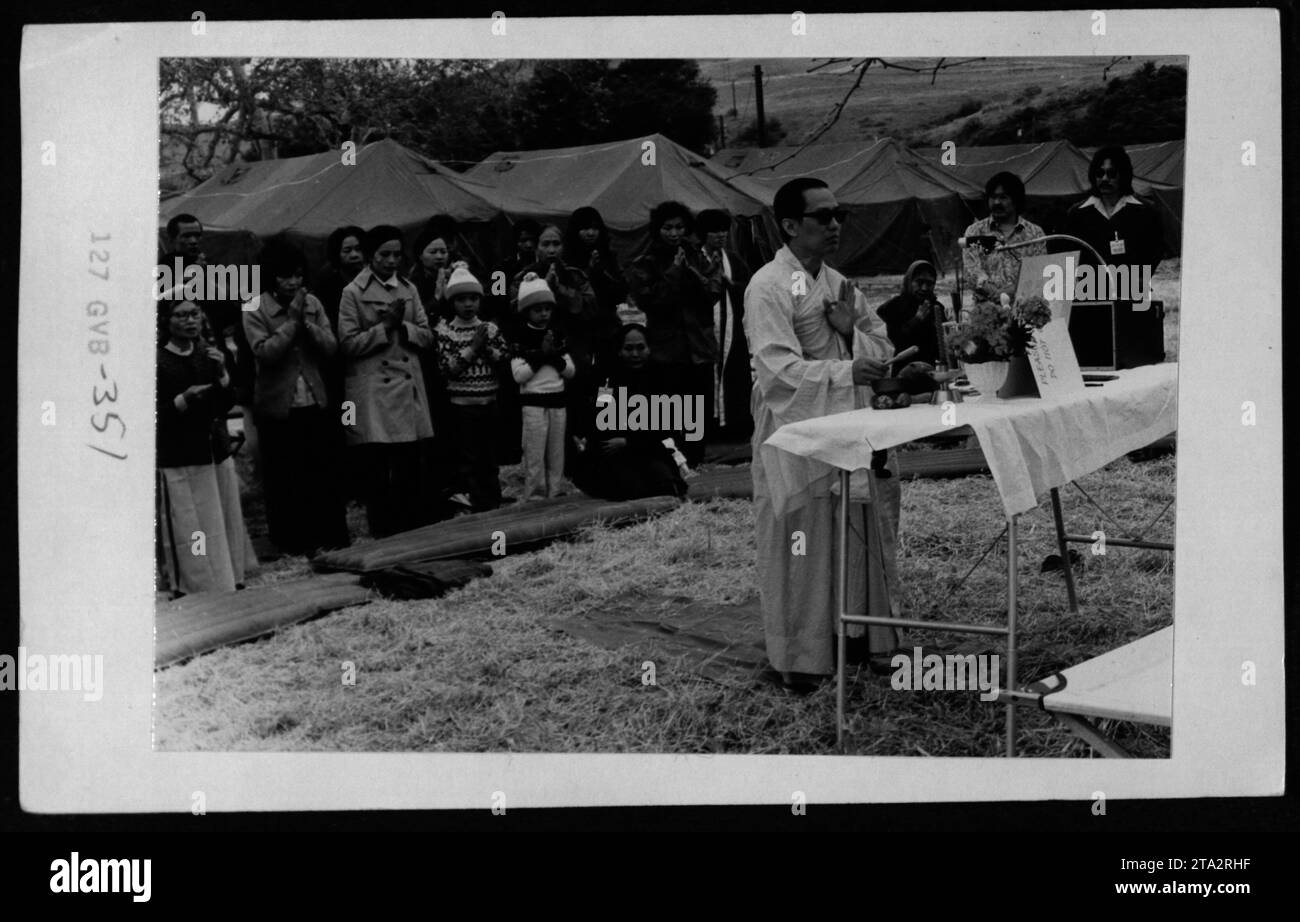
899, 104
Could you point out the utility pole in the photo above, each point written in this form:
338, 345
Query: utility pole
758, 96
722, 133
734, 110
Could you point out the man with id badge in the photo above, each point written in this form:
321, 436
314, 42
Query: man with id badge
1120, 226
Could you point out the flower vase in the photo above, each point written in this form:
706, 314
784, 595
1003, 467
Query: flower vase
1020, 379
987, 377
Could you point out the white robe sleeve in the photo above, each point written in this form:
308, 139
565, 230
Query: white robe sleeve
870, 336
793, 386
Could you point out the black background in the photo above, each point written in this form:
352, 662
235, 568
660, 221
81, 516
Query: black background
978, 858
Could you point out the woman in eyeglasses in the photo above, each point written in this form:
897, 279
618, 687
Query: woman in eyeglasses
677, 287
202, 537
1122, 228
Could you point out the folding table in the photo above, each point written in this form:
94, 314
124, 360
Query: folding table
1133, 683
1033, 445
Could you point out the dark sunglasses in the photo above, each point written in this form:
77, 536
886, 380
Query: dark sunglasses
823, 216
1111, 173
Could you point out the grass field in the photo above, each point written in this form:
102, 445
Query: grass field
482, 669
896, 103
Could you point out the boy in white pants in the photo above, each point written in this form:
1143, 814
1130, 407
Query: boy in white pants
540, 366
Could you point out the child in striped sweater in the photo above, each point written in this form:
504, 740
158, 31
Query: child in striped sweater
468, 350
541, 367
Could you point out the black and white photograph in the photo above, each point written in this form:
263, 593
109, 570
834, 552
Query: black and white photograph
482, 462
652, 410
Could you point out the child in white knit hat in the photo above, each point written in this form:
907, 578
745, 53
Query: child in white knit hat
541, 367
469, 350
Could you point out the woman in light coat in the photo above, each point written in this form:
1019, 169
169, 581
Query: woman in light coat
382, 330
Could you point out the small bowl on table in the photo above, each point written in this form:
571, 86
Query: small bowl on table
889, 394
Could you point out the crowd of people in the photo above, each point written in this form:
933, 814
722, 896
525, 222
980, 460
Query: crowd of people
409, 388
400, 375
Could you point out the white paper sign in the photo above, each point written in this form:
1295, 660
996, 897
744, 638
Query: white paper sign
1056, 368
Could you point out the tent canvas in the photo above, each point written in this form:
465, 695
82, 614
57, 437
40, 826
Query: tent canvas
305, 198
617, 179
901, 209
1055, 174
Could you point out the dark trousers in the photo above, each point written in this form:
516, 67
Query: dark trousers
473, 439
686, 381
510, 420
302, 480
698, 383
627, 475
438, 457
579, 404
393, 485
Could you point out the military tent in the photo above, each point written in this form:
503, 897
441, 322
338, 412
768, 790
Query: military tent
623, 180
1055, 174
1161, 162
303, 199
901, 209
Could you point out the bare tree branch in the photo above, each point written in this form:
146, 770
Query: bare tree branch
827, 63
1105, 73
838, 109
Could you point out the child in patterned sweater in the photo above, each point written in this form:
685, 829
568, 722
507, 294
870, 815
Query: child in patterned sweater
469, 350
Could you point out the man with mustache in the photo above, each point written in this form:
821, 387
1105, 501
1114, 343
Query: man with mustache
991, 274
1123, 229
815, 345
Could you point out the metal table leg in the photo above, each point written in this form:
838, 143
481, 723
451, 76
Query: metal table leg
843, 602
1012, 573
1064, 552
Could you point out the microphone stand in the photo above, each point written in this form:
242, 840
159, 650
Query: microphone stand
1083, 243
944, 393
948, 394
1001, 247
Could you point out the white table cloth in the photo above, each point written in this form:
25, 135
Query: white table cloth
1031, 443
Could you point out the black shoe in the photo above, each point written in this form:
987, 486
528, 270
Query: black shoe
803, 683
856, 651
1052, 562
882, 664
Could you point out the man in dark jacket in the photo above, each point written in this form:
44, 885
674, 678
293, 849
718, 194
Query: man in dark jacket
1121, 227
224, 322
729, 415
675, 287
185, 239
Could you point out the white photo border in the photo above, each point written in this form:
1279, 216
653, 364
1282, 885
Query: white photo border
89, 94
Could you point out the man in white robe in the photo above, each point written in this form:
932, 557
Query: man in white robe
814, 346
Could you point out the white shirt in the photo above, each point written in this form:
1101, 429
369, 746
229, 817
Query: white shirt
1097, 203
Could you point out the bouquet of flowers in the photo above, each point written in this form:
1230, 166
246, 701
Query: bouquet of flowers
995, 332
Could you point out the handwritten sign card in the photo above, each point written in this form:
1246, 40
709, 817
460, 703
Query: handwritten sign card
1055, 366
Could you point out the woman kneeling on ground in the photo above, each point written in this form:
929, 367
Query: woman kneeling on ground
619, 464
